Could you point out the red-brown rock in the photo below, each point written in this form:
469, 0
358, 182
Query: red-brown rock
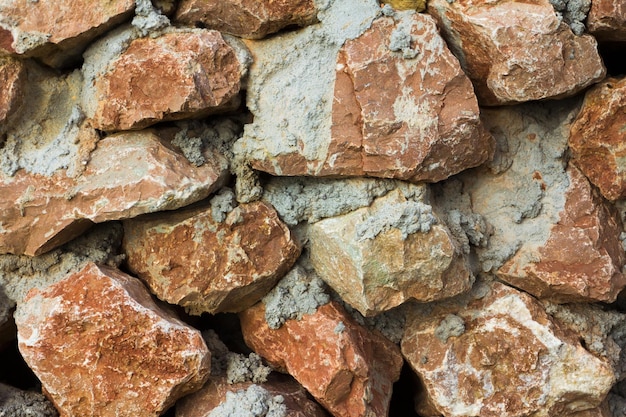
496, 352
516, 51
247, 18
57, 34
205, 265
347, 368
12, 79
215, 392
598, 135
180, 74
128, 174
102, 347
607, 20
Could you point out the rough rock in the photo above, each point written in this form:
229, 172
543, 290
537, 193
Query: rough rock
380, 256
246, 18
16, 402
405, 125
131, 84
597, 137
32, 28
553, 236
101, 346
495, 352
127, 175
13, 79
516, 51
280, 397
207, 265
607, 20
348, 369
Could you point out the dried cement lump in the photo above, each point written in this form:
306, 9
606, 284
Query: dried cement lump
451, 326
297, 294
252, 402
573, 12
222, 203
17, 403
148, 19
300, 199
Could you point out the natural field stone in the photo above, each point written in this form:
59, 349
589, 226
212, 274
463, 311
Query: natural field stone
127, 175
101, 346
517, 51
497, 352
180, 73
252, 19
598, 137
34, 29
12, 78
380, 256
347, 368
607, 20
208, 264
406, 125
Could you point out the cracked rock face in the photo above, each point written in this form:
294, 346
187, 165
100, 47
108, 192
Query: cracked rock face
99, 344
501, 355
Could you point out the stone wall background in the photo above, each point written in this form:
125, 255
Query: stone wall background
312, 207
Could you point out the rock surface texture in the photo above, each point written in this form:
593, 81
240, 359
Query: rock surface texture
206, 265
517, 51
12, 79
100, 346
607, 20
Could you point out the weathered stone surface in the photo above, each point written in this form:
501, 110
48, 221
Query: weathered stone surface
217, 392
57, 34
516, 51
598, 137
553, 236
347, 368
12, 79
101, 346
496, 352
210, 265
380, 256
246, 18
16, 402
418, 122
128, 174
607, 20
179, 74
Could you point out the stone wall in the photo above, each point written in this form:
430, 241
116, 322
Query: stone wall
312, 207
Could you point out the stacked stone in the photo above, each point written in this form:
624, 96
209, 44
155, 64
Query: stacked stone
361, 184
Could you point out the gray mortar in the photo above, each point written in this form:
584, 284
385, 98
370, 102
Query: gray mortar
451, 326
299, 199
252, 402
300, 292
572, 12
27, 41
401, 38
15, 402
390, 323
408, 216
192, 147
148, 19
222, 203
20, 273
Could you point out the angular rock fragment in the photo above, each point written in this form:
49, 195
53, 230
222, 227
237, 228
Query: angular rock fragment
607, 20
252, 19
516, 51
99, 344
209, 264
12, 79
352, 121
497, 352
598, 137
347, 368
179, 74
380, 256
127, 175
33, 28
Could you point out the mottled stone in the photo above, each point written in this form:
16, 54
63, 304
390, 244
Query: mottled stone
101, 346
598, 137
516, 51
206, 265
246, 18
607, 20
127, 175
57, 35
215, 392
419, 121
179, 74
380, 256
496, 352
12, 80
347, 368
